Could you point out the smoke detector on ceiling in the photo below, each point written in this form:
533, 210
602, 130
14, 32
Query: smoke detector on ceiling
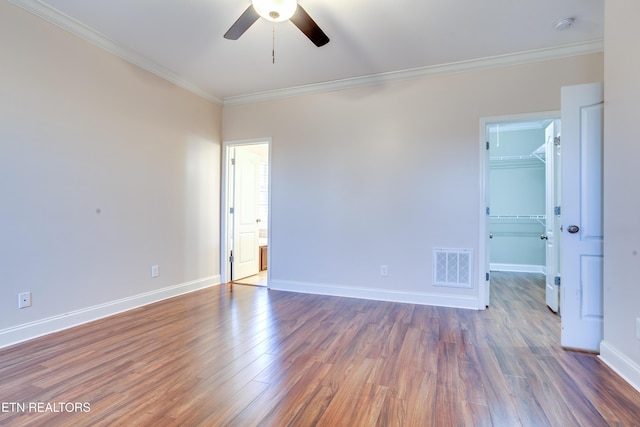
564, 24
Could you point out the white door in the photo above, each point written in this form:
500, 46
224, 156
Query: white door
582, 236
487, 232
552, 133
245, 213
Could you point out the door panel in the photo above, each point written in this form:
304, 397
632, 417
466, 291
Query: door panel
591, 188
552, 200
591, 295
582, 236
486, 297
245, 225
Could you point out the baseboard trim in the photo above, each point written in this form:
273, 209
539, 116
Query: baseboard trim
621, 364
454, 301
27, 331
518, 268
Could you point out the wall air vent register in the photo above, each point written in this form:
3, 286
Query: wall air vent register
452, 267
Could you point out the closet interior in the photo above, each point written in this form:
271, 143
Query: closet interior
518, 196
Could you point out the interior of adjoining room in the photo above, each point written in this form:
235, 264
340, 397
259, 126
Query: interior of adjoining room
525, 198
246, 204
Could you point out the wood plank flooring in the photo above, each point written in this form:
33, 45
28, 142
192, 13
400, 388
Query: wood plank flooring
254, 357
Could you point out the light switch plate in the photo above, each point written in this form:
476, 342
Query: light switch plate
384, 270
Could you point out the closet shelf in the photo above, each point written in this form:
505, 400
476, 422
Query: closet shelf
540, 218
538, 153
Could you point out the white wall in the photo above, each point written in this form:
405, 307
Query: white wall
383, 174
105, 170
621, 348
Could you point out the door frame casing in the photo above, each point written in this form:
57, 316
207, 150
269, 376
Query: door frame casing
483, 243
226, 203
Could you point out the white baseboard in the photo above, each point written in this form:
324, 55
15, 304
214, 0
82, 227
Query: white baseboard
518, 268
27, 331
455, 301
621, 364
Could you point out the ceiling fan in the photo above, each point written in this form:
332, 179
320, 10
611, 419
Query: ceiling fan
277, 11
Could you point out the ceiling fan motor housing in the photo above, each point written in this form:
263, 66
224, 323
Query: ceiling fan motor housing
275, 10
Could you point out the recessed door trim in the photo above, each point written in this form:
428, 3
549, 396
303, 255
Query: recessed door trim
484, 209
226, 203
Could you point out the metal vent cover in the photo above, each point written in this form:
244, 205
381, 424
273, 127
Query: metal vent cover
452, 267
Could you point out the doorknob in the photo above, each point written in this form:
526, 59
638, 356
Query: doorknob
544, 237
573, 229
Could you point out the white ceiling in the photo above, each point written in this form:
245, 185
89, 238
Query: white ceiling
182, 39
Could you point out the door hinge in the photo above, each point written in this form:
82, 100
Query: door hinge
231, 210
486, 277
556, 280
231, 258
233, 162
488, 211
556, 140
557, 210
487, 145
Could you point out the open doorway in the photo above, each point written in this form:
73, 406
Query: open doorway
522, 195
245, 204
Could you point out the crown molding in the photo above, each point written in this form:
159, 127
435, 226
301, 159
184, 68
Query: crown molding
77, 28
435, 70
73, 26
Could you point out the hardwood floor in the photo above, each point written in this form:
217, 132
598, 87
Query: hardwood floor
259, 279
256, 357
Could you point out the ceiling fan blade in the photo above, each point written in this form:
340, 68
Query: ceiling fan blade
243, 23
308, 26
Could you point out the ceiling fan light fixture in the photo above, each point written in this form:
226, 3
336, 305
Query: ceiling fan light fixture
275, 10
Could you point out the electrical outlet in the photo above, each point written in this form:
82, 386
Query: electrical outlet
154, 271
384, 270
24, 300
